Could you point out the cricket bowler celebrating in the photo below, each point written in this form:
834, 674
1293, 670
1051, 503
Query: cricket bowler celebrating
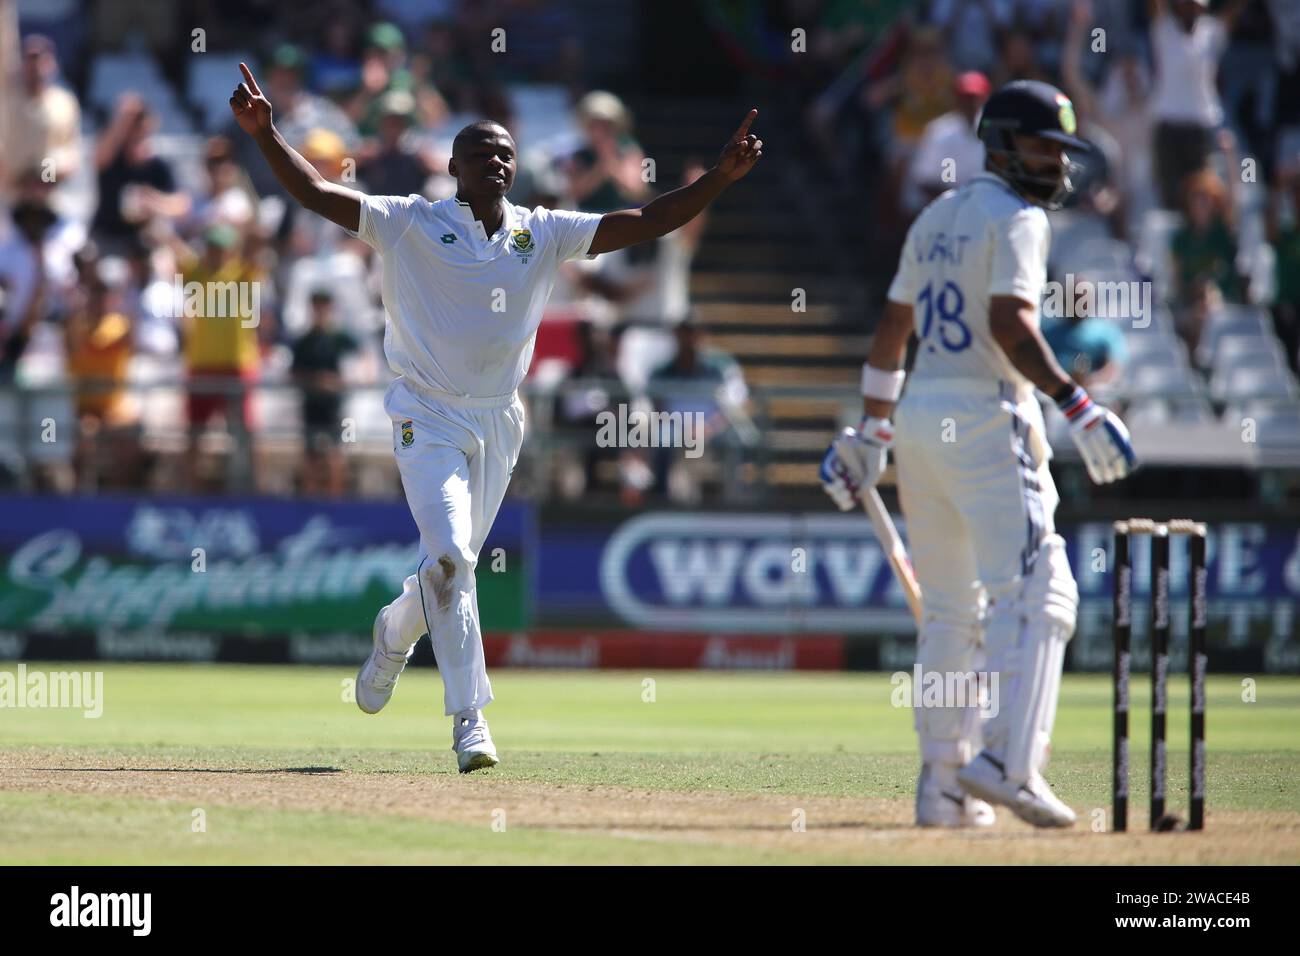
465, 281
971, 457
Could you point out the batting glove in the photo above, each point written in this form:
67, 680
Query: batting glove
856, 460
1100, 436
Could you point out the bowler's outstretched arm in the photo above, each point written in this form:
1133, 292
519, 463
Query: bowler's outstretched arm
672, 210
313, 191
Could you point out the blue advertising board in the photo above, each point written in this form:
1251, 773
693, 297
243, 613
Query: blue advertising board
816, 573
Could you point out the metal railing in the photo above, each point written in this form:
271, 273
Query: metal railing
39, 428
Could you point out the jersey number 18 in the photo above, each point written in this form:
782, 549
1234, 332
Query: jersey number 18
954, 335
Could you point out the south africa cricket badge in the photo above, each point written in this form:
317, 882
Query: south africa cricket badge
408, 433
521, 241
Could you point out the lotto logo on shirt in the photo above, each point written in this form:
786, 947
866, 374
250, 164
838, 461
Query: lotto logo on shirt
408, 433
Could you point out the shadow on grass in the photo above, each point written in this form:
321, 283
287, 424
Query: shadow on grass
250, 770
642, 825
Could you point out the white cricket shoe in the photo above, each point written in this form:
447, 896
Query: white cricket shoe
473, 743
947, 806
378, 675
1032, 801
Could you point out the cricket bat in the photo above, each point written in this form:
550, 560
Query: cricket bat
894, 550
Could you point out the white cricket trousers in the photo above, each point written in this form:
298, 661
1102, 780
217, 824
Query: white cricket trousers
979, 501
455, 456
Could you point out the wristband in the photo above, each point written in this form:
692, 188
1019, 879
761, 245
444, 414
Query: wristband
881, 429
881, 385
1074, 404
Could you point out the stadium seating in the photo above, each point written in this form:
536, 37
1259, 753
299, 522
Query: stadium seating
114, 74
1244, 383
209, 84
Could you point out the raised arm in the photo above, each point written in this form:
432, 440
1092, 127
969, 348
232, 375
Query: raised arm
313, 191
1076, 84
127, 112
663, 215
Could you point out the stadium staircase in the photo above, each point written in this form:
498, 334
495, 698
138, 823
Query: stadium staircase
778, 231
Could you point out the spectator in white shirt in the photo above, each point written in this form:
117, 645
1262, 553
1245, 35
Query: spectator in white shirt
949, 152
1186, 42
44, 119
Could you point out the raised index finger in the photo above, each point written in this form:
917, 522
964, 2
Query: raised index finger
743, 131
248, 77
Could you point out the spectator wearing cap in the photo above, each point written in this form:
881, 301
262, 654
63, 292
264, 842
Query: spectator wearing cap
1186, 43
136, 185
386, 68
318, 371
44, 119
394, 164
387, 46
606, 173
949, 152
383, 68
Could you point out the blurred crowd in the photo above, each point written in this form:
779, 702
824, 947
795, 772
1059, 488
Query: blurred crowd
1193, 107
124, 185
130, 187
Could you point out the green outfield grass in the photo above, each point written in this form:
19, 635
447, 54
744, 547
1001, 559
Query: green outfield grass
286, 770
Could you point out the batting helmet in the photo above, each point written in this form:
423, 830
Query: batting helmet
1032, 108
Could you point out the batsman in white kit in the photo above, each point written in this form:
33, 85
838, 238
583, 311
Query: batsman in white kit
972, 461
465, 282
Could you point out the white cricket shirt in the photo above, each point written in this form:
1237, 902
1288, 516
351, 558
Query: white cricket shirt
967, 246
463, 307
1187, 65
